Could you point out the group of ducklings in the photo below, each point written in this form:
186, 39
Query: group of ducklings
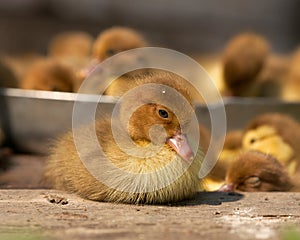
251, 69
263, 157
247, 67
71, 56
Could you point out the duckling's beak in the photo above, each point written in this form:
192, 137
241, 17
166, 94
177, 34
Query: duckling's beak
180, 144
87, 70
226, 188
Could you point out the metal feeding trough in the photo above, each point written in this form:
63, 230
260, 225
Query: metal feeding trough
32, 119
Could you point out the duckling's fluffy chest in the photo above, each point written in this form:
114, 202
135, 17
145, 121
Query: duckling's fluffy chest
154, 176
143, 158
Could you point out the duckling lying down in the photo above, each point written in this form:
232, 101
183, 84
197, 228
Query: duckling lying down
168, 174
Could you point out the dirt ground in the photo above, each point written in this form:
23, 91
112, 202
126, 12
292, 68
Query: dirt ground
49, 214
35, 214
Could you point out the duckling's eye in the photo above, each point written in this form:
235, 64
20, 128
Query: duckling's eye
163, 113
253, 182
110, 52
252, 140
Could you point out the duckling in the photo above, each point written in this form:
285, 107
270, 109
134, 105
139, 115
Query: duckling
110, 42
65, 170
255, 171
243, 59
291, 88
275, 134
115, 40
272, 78
7, 77
49, 75
249, 69
19, 64
75, 44
231, 149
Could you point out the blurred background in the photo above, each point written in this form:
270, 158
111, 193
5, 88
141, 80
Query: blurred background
29, 118
192, 26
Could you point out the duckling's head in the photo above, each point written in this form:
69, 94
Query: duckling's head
49, 75
165, 108
115, 40
256, 171
111, 42
275, 134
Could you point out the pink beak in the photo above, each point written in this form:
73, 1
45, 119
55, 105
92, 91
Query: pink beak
87, 70
227, 188
180, 144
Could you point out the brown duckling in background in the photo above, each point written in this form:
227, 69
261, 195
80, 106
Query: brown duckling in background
66, 171
49, 75
19, 64
74, 44
73, 48
115, 40
272, 78
108, 43
275, 134
243, 59
250, 70
255, 171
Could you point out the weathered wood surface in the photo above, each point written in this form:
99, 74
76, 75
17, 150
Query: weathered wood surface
58, 215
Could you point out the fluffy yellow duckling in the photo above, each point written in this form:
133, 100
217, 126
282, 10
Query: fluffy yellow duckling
275, 134
66, 171
49, 75
255, 171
